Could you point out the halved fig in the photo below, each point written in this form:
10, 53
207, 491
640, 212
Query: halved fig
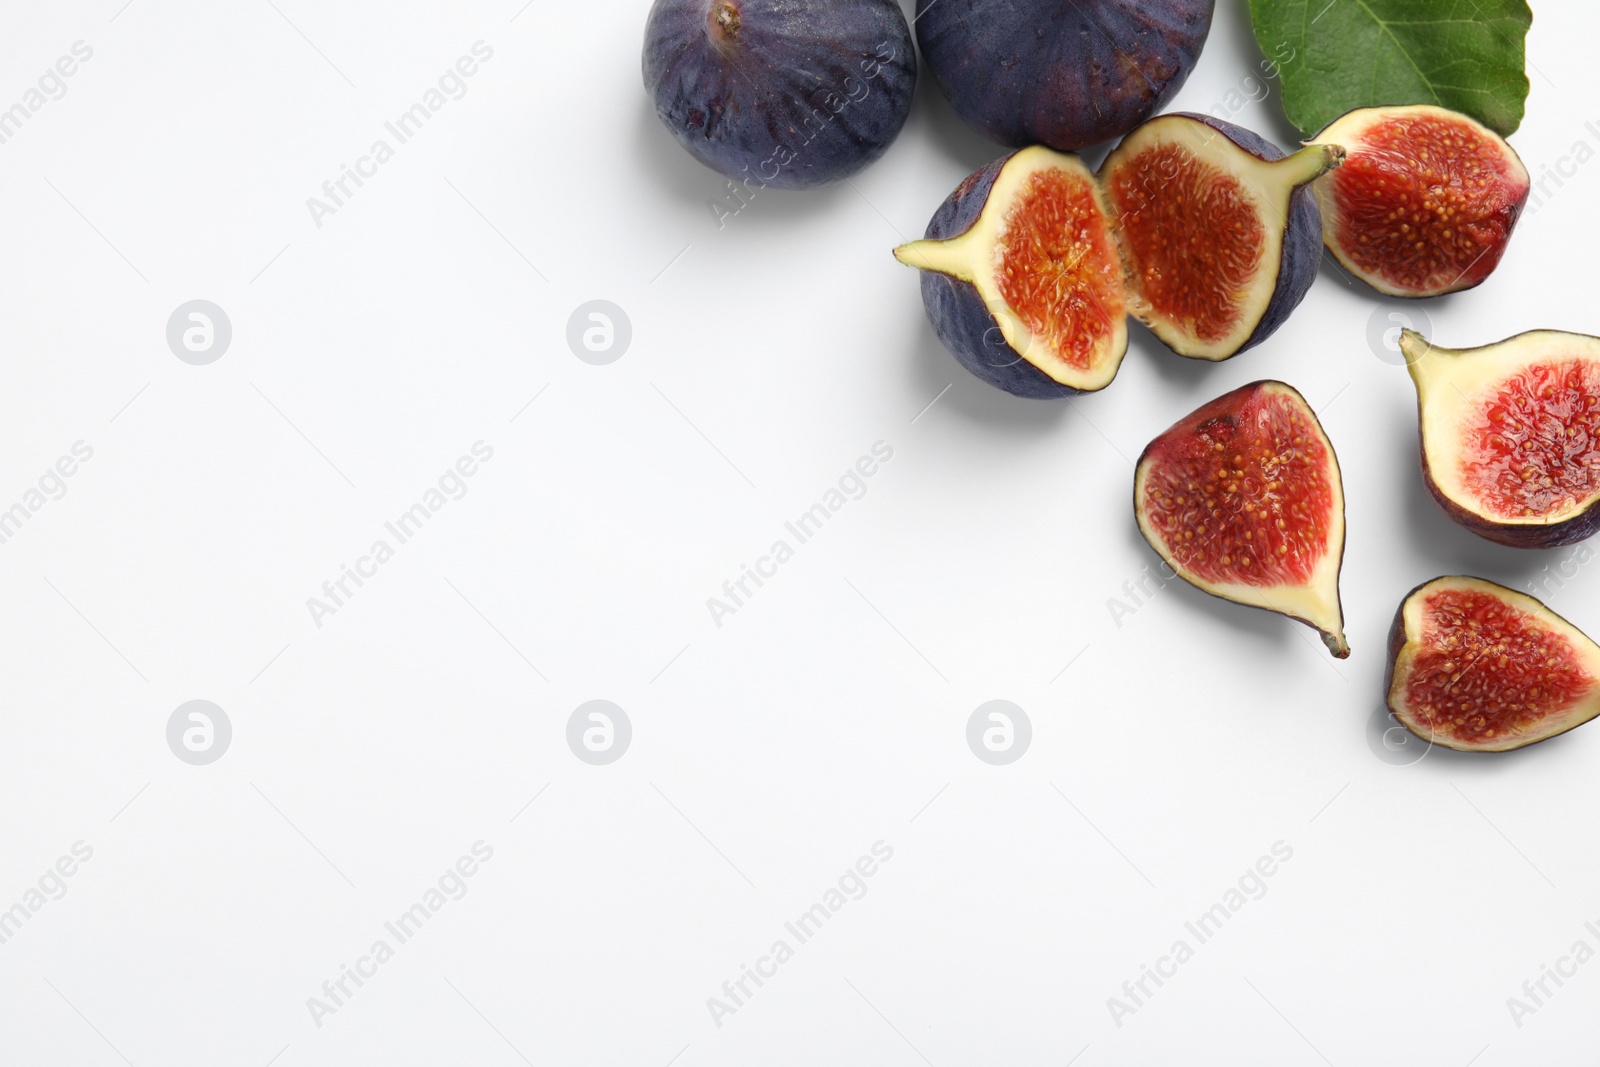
1219, 233
1482, 668
1510, 434
1243, 499
1425, 202
1203, 230
1021, 279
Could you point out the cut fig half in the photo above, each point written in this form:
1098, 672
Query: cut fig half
1201, 229
1425, 202
1243, 499
1219, 231
1481, 668
1021, 278
1510, 434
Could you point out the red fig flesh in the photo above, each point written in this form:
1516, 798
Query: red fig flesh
1482, 668
1057, 264
1243, 499
1022, 280
1425, 202
1218, 230
1510, 434
1162, 229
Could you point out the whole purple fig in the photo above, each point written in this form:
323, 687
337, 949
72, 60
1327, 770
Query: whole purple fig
786, 93
1067, 75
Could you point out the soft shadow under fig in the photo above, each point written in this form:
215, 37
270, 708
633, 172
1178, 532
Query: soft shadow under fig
970, 398
1451, 761
1180, 371
1458, 550
669, 166
697, 187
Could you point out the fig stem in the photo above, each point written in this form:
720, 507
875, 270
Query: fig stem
725, 21
1413, 346
1337, 645
939, 256
1311, 162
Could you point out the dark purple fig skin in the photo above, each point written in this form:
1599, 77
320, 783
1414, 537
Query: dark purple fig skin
808, 92
1397, 641
1302, 238
957, 312
1056, 72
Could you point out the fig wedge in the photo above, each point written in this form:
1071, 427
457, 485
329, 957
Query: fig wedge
1243, 499
1481, 668
1510, 434
1219, 230
1425, 202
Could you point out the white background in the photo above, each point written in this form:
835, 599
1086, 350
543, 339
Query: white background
768, 754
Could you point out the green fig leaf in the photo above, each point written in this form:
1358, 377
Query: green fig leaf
1335, 55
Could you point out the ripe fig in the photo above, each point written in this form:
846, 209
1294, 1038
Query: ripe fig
786, 93
1202, 230
1021, 279
1510, 434
1220, 234
1064, 75
1481, 668
1243, 499
1425, 202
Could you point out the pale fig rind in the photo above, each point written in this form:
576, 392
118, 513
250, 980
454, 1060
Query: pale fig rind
1453, 388
1408, 638
1314, 600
